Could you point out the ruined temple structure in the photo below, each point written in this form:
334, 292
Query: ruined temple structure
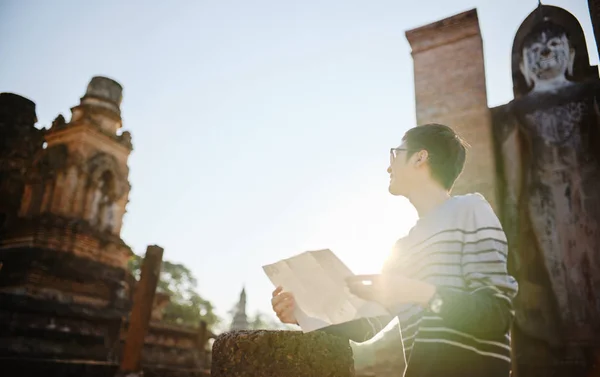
65, 289
549, 147
537, 160
63, 286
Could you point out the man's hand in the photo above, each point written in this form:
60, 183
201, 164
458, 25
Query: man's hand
391, 290
283, 304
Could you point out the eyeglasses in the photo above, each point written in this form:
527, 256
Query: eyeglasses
394, 153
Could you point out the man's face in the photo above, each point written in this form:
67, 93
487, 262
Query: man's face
402, 171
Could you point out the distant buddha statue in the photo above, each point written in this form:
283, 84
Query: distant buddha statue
551, 155
547, 58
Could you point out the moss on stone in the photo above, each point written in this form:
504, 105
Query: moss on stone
264, 353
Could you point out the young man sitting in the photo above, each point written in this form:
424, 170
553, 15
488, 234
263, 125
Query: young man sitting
446, 281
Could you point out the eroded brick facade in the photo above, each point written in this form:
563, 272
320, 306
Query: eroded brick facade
450, 89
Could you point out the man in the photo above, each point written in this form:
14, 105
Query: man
446, 281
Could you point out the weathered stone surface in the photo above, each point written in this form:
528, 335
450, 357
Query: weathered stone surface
281, 354
558, 137
106, 89
82, 173
20, 140
547, 145
548, 140
142, 310
64, 287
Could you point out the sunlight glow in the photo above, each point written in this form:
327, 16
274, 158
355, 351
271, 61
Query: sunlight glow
359, 232
392, 330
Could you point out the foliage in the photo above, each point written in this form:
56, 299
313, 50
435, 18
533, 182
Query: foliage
186, 306
262, 321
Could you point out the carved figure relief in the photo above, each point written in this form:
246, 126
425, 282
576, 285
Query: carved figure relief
108, 186
90, 190
551, 153
547, 58
105, 204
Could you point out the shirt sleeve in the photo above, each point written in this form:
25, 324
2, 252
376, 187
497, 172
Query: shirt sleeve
484, 309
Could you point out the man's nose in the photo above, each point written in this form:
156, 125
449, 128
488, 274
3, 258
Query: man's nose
389, 170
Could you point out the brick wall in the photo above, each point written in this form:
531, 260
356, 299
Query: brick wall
450, 89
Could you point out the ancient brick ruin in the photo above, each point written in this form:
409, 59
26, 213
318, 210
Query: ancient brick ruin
65, 290
536, 159
66, 294
450, 89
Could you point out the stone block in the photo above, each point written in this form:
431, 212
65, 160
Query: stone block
280, 354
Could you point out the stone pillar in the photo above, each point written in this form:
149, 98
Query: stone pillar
201, 343
450, 89
139, 318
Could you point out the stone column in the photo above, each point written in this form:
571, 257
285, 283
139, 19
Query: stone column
450, 89
201, 344
139, 318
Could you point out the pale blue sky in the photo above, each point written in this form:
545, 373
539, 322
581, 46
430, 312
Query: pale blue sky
261, 128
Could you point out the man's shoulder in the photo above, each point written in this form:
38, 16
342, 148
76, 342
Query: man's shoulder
475, 211
473, 207
468, 203
461, 213
473, 198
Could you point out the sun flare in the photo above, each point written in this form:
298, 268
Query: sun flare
361, 231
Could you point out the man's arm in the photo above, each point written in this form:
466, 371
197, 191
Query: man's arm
485, 308
359, 330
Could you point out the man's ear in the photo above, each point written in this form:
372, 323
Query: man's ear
421, 157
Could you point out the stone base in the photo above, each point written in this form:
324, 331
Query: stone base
281, 354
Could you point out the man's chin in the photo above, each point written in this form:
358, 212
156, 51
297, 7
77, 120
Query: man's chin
394, 191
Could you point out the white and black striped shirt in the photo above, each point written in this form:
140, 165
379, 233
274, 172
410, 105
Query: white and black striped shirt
460, 248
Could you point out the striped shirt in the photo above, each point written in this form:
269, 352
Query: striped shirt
460, 248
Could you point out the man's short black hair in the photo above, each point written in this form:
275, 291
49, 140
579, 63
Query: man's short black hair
447, 151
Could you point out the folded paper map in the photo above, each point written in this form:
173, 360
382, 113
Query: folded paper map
318, 281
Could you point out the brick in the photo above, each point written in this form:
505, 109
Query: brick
450, 89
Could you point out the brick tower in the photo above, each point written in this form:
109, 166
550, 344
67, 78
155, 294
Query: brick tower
64, 264
450, 89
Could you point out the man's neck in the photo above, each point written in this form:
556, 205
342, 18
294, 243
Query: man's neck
427, 198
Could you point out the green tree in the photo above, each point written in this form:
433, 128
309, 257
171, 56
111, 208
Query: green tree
186, 306
262, 321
